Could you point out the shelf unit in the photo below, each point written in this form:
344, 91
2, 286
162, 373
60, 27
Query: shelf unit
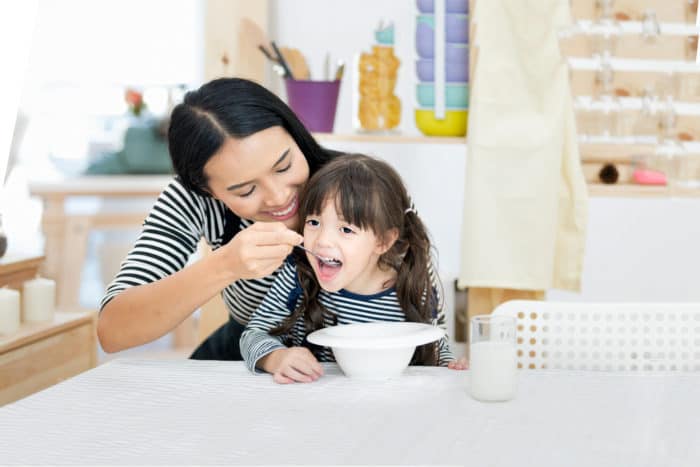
388, 138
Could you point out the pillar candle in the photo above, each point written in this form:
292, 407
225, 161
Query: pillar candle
38, 300
9, 311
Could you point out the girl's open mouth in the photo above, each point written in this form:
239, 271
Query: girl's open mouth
328, 268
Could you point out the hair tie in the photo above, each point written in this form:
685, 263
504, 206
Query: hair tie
411, 209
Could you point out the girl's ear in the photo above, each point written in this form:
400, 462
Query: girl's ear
385, 243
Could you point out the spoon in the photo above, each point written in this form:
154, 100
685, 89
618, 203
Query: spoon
329, 261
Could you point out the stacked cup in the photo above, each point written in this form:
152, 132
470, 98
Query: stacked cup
443, 106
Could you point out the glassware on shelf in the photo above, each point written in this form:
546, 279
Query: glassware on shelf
379, 108
683, 164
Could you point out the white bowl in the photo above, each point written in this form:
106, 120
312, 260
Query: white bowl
377, 350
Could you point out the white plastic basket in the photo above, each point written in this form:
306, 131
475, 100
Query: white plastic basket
606, 336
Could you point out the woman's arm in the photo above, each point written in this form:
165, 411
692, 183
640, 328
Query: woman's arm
154, 291
143, 313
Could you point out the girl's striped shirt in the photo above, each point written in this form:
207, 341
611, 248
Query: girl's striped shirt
347, 307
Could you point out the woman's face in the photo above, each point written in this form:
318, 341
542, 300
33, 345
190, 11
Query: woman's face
259, 177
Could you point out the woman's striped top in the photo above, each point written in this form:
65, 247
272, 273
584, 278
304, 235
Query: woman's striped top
170, 234
346, 307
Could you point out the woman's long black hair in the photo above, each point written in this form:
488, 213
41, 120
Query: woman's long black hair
229, 107
370, 194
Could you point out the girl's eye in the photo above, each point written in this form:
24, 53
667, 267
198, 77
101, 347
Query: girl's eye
284, 169
312, 222
248, 193
347, 230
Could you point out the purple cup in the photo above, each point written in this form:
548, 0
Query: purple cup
314, 102
451, 6
455, 72
456, 28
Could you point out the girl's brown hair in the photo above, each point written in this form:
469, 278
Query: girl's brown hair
370, 194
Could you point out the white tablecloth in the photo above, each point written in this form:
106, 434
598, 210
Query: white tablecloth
193, 412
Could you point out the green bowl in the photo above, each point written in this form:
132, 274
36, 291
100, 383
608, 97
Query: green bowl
456, 95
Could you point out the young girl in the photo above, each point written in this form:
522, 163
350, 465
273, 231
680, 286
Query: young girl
376, 267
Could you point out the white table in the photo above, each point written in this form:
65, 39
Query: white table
191, 412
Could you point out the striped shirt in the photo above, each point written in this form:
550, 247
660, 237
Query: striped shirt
347, 307
170, 234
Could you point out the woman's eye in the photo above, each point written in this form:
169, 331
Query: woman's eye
284, 169
248, 193
346, 230
312, 222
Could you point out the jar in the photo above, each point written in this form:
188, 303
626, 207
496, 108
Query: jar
379, 108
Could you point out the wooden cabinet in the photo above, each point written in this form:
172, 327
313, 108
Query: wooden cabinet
39, 355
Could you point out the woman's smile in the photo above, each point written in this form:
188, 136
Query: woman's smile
286, 212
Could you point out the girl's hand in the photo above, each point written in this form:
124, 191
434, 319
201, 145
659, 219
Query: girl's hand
295, 364
259, 250
461, 364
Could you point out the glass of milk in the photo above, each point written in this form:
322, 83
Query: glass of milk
492, 358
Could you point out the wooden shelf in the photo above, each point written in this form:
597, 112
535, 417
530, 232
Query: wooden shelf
639, 191
17, 268
40, 355
626, 10
388, 138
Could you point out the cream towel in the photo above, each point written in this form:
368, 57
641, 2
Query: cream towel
526, 201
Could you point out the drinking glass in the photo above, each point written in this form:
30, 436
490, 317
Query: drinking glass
492, 358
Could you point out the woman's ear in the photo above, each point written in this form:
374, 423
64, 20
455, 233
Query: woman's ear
384, 244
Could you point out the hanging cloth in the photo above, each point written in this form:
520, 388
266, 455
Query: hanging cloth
526, 200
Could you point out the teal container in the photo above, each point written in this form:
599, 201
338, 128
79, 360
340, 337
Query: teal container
456, 95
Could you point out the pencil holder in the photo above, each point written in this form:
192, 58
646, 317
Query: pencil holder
314, 102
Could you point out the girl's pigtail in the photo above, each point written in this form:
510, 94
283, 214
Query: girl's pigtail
413, 283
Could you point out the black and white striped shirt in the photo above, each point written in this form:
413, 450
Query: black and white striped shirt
170, 234
347, 307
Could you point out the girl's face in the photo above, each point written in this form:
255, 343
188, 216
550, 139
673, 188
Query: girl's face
357, 250
259, 177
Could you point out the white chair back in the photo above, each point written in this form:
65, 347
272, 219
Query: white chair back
606, 336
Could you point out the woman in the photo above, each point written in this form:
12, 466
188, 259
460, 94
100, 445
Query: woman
241, 157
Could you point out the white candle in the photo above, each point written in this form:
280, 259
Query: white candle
38, 300
9, 311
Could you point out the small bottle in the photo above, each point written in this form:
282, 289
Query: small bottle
3, 239
379, 107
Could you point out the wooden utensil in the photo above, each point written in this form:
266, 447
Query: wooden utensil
297, 63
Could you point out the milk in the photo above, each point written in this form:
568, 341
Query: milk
493, 370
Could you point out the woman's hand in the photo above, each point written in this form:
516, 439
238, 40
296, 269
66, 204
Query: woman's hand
461, 364
295, 364
259, 250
